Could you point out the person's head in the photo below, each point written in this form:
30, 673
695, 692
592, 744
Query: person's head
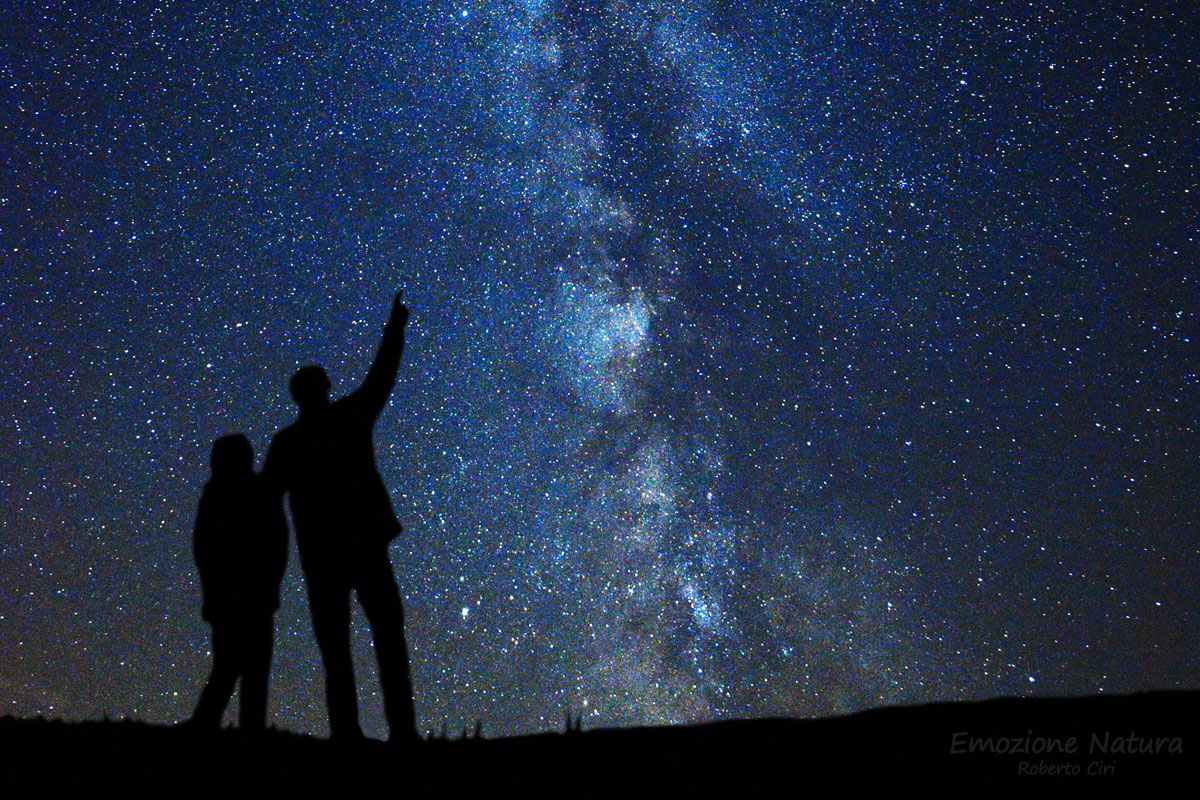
232, 456
310, 387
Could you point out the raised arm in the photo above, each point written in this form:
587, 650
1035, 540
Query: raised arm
375, 390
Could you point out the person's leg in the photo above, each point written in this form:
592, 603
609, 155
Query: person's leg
329, 599
380, 598
221, 681
256, 668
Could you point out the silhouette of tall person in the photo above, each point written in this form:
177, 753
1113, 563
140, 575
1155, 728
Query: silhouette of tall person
240, 547
343, 518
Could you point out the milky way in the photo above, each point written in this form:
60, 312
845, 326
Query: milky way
766, 359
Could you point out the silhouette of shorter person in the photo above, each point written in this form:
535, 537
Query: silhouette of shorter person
241, 552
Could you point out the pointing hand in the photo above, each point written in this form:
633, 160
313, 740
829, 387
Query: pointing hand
399, 310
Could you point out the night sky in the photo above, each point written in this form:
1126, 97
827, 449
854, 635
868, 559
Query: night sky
766, 358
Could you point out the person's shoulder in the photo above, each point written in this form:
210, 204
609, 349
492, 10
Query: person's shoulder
233, 488
343, 409
261, 486
286, 432
283, 437
355, 406
213, 498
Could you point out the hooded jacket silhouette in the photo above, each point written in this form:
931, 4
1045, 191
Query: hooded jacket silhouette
240, 547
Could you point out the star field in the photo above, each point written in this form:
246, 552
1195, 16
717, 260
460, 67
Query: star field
766, 358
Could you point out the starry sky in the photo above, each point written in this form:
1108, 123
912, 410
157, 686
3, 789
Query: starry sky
767, 358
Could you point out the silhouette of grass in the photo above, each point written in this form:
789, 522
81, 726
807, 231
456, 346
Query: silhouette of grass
878, 748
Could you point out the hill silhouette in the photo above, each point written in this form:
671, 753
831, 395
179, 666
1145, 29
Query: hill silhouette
1098, 742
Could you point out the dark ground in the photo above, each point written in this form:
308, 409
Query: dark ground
884, 749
